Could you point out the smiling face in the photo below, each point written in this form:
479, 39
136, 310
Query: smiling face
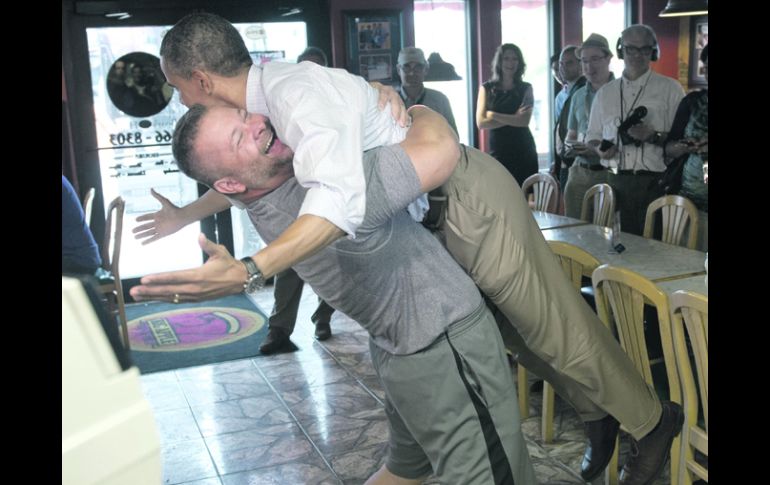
596, 65
244, 147
509, 62
637, 51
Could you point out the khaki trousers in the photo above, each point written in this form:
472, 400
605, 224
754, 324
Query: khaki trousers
490, 231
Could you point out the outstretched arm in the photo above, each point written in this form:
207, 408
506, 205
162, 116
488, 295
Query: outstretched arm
433, 148
170, 218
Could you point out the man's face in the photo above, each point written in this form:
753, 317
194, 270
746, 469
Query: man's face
569, 66
190, 90
245, 146
412, 74
596, 64
637, 50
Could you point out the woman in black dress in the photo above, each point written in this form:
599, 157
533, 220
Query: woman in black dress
505, 107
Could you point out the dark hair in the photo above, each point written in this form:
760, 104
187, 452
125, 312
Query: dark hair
313, 52
204, 41
497, 69
182, 146
704, 54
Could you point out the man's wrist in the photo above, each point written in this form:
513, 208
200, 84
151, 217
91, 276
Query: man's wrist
656, 138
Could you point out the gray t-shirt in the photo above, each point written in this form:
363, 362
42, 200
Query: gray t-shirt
394, 278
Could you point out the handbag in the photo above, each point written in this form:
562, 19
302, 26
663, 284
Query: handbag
671, 181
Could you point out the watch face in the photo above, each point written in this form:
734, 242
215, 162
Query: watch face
256, 283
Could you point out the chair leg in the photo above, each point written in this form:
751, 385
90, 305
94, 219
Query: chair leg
548, 411
611, 473
523, 392
122, 316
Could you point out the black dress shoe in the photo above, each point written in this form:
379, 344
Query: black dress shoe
277, 340
601, 436
649, 454
323, 330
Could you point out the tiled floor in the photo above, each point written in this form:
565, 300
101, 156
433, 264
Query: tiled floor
314, 416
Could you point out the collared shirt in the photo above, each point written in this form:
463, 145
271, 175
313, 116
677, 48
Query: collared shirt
659, 94
328, 117
579, 112
561, 98
435, 100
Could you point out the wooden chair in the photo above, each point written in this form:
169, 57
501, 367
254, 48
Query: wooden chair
678, 213
599, 202
545, 190
88, 204
691, 311
576, 263
110, 252
620, 298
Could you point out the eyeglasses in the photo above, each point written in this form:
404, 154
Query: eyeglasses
411, 67
633, 50
567, 63
592, 60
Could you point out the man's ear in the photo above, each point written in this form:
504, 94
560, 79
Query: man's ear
228, 186
203, 81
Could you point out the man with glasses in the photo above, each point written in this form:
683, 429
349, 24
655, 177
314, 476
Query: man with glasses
634, 153
412, 68
569, 71
586, 171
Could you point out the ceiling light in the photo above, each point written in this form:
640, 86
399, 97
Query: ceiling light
681, 8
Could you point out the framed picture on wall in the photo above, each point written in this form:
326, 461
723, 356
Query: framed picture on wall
699, 37
373, 40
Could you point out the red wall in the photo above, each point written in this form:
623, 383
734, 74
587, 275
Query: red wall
667, 30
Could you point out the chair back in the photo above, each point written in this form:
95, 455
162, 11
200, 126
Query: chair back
620, 298
576, 262
690, 311
110, 251
599, 205
545, 190
88, 204
677, 214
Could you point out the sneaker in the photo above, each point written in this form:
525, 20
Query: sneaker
649, 454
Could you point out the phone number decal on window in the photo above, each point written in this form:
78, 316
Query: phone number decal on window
137, 138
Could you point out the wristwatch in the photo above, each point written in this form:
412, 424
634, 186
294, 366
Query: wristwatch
255, 281
656, 138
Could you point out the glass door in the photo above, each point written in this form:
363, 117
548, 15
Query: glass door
135, 112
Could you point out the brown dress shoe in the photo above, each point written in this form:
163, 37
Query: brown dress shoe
649, 454
602, 435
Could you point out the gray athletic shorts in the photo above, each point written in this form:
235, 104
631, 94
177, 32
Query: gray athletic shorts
452, 408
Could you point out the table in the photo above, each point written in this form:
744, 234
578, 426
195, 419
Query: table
655, 260
696, 284
546, 220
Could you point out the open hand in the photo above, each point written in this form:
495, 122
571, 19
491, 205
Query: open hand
160, 224
397, 106
221, 275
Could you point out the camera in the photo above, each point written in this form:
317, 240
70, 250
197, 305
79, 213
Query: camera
633, 119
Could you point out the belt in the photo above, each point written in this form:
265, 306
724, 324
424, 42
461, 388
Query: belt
592, 167
639, 172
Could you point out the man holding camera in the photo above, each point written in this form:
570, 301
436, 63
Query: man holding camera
630, 141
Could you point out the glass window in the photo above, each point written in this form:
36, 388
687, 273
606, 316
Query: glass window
440, 26
525, 23
607, 18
